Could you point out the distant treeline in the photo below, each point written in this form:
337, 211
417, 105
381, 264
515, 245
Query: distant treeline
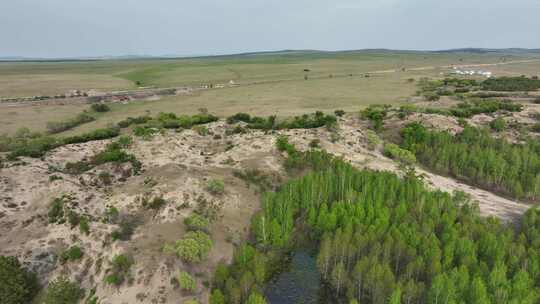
477, 158
511, 84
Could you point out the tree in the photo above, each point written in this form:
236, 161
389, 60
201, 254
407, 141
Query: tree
17, 285
256, 298
217, 297
63, 291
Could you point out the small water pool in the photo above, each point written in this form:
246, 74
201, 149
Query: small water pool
299, 283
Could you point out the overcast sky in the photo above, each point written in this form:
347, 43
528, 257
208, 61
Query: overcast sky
70, 28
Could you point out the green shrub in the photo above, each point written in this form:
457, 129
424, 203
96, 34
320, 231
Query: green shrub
125, 230
315, 143
191, 301
535, 128
498, 124
98, 134
17, 285
63, 291
134, 121
536, 100
73, 219
201, 130
154, 203
376, 114
84, 226
217, 297
339, 113
186, 281
373, 140
71, 254
100, 107
192, 248
120, 267
215, 187
239, 117
56, 211
196, 222
395, 152
77, 168
57, 127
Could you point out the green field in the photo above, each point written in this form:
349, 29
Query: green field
268, 84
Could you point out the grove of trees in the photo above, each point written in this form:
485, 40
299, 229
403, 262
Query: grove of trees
478, 158
386, 239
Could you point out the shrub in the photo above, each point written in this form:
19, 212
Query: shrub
192, 301
373, 140
121, 265
61, 126
315, 143
215, 187
186, 281
196, 222
84, 226
201, 130
395, 152
63, 291
125, 230
498, 124
239, 117
98, 134
71, 254
217, 297
192, 248
73, 219
339, 113
536, 100
76, 168
17, 285
134, 121
535, 128
154, 203
56, 211
376, 114
100, 107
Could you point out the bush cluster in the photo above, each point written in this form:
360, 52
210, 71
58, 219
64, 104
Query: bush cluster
521, 83
119, 271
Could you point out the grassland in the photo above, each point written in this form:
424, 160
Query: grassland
268, 84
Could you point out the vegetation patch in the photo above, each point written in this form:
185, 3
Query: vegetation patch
120, 269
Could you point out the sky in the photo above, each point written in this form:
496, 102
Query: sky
87, 28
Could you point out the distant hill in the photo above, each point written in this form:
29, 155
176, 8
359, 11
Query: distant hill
507, 51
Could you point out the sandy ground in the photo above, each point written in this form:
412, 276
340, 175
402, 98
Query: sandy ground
176, 166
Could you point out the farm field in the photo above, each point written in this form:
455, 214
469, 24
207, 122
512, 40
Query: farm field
271, 84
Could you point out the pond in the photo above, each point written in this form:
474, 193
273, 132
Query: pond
299, 283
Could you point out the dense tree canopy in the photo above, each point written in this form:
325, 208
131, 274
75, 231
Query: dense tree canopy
476, 157
386, 239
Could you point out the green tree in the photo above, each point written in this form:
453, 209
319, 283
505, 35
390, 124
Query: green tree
17, 285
